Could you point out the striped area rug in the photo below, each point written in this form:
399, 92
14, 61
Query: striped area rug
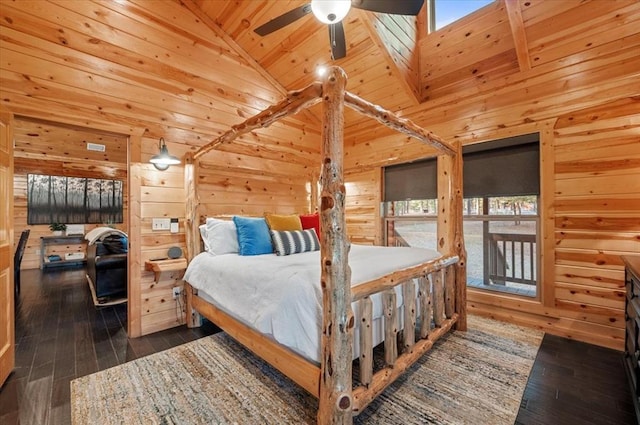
474, 377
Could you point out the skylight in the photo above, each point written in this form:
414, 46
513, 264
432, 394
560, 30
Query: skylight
448, 11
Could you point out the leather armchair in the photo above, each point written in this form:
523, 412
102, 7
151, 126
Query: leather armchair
107, 267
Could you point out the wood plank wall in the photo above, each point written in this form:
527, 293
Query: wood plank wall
162, 195
234, 184
597, 207
58, 150
595, 217
362, 206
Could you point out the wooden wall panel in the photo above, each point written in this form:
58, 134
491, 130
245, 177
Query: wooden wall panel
596, 162
362, 206
235, 185
47, 148
165, 70
478, 48
596, 198
162, 195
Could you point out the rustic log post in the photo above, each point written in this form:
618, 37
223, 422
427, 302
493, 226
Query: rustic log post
366, 341
449, 291
335, 404
438, 297
450, 225
390, 327
409, 329
445, 232
192, 222
458, 241
192, 318
425, 306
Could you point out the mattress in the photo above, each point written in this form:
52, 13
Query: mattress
280, 296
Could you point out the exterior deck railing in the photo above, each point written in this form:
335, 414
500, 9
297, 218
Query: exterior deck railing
507, 261
505, 256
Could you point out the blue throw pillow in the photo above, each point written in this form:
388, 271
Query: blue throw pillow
253, 236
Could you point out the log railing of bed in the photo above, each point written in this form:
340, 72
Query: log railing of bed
439, 306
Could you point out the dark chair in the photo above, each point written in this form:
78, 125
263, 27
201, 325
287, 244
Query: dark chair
17, 258
107, 266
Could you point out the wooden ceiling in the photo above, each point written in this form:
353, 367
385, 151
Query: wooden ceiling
188, 70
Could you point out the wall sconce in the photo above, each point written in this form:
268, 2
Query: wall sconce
162, 160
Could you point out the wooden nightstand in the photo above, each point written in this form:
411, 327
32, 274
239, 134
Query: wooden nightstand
169, 265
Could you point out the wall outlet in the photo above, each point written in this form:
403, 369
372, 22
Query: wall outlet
160, 223
176, 292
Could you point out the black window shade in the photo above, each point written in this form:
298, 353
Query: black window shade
505, 167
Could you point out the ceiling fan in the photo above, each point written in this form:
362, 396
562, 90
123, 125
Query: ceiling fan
332, 12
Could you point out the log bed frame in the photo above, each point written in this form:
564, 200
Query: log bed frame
331, 381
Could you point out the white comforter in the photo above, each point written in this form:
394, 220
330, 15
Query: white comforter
281, 296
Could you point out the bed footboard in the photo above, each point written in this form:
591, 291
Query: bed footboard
426, 318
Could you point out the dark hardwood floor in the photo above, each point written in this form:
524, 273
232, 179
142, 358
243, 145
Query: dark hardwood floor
60, 336
576, 383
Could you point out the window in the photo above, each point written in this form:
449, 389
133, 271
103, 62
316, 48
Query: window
501, 219
444, 12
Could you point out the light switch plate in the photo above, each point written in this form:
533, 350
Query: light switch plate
160, 223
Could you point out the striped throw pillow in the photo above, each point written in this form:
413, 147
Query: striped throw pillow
288, 242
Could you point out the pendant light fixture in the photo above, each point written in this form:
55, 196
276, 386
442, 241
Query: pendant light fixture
164, 159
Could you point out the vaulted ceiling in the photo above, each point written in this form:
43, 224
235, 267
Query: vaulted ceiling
189, 69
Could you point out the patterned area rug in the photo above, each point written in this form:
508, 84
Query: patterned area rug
467, 378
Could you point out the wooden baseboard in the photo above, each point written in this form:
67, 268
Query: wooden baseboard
596, 334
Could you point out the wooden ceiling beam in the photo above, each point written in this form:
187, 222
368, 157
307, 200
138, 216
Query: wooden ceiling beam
514, 13
195, 9
368, 19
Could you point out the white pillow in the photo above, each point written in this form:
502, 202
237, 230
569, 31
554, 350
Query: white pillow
203, 235
221, 237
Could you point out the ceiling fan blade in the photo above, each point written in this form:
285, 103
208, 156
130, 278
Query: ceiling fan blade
396, 7
283, 20
338, 43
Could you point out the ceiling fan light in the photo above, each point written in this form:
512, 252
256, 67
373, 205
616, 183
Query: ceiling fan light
330, 11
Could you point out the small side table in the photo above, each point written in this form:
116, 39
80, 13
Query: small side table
63, 243
159, 266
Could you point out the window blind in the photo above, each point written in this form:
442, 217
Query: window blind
505, 167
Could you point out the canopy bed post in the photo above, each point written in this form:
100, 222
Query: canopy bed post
193, 234
458, 241
331, 381
335, 404
193, 319
450, 225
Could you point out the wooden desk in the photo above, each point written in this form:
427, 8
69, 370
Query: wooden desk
64, 245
